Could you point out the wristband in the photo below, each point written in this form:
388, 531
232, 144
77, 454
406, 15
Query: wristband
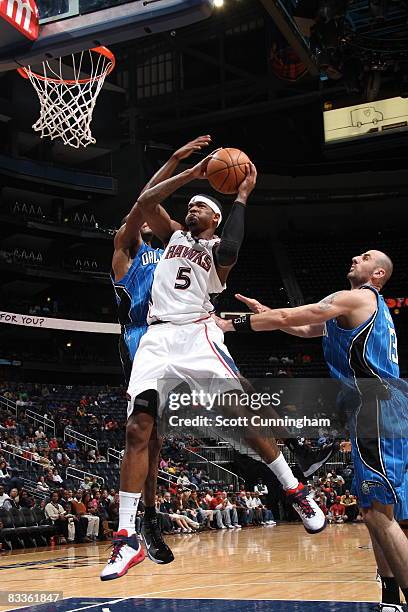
242, 323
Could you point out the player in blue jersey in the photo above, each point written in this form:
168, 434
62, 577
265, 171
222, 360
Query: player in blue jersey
132, 291
360, 348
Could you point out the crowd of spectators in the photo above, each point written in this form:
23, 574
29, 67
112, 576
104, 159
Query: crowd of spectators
336, 501
91, 513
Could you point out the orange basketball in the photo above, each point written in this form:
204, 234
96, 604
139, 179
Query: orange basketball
226, 170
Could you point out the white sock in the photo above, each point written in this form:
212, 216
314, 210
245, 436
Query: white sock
128, 503
283, 473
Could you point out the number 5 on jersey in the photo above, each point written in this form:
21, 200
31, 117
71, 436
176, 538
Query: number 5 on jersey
183, 278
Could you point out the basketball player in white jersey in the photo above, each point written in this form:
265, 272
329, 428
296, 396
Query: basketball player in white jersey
183, 342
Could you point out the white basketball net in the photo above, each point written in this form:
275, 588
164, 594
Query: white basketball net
67, 105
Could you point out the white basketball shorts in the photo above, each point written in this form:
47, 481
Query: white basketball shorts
194, 353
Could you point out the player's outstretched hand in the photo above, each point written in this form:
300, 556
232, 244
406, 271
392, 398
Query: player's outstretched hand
199, 171
249, 182
252, 304
201, 142
222, 323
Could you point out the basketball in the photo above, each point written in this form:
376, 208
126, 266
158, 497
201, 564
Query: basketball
226, 170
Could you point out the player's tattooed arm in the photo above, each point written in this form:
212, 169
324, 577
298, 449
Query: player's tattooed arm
341, 303
326, 302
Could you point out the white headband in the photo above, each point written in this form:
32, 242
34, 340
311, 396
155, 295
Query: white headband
210, 203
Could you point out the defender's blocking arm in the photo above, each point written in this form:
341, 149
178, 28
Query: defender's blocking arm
331, 307
301, 331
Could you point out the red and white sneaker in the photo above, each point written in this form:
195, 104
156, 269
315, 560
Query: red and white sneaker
312, 516
126, 552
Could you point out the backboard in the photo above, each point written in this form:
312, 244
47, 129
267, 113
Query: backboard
69, 26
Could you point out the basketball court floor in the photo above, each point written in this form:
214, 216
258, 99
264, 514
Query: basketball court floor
277, 569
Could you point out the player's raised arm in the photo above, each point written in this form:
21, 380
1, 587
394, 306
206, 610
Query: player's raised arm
226, 252
128, 238
168, 169
129, 234
160, 222
338, 304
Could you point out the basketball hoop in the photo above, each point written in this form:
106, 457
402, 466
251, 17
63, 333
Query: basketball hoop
67, 104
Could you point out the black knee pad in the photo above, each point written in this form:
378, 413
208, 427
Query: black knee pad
146, 402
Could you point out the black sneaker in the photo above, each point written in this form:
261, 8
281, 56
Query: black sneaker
156, 548
311, 459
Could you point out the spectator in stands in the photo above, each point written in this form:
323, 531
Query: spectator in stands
53, 444
219, 502
230, 507
99, 528
337, 512
204, 516
80, 509
253, 505
320, 499
331, 499
337, 482
261, 488
56, 478
350, 503
39, 434
91, 458
10, 423
4, 473
86, 483
174, 509
184, 481
165, 523
42, 485
60, 519
26, 500
71, 445
111, 424
267, 516
167, 504
66, 498
3, 496
105, 501
12, 501
163, 464
245, 514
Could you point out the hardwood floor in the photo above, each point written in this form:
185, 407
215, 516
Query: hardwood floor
281, 562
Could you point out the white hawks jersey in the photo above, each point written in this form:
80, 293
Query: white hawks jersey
184, 280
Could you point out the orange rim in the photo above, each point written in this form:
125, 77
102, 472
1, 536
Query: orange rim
101, 50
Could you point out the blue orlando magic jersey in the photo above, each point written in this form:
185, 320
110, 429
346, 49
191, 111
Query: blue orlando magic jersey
369, 350
133, 290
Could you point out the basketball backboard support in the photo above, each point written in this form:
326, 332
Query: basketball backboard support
69, 26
